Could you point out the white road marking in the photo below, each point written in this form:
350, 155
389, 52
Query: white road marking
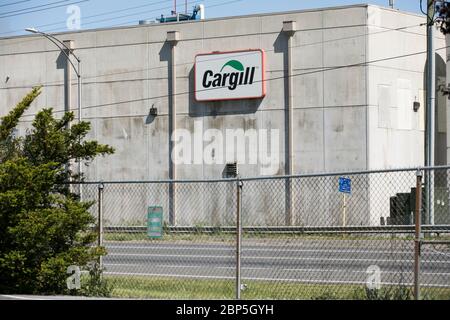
269, 268
440, 252
20, 298
261, 249
267, 258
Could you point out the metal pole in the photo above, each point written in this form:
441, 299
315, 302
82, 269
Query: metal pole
290, 132
344, 212
100, 220
418, 234
173, 38
68, 93
430, 125
239, 185
80, 118
290, 107
289, 27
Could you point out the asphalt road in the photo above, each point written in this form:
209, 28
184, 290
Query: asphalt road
316, 261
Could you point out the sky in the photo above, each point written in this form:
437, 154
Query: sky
61, 15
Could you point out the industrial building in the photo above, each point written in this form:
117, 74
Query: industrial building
344, 87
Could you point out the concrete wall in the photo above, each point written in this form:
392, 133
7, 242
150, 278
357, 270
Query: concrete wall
338, 124
396, 133
126, 73
447, 59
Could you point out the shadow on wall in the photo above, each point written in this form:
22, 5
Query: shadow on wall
281, 46
61, 61
440, 152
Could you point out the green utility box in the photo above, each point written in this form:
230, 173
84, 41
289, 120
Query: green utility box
155, 222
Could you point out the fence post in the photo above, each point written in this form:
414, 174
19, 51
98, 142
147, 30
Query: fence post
100, 221
418, 234
239, 185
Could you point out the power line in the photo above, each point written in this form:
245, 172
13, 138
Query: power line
31, 8
131, 15
118, 17
39, 10
191, 2
128, 15
353, 65
266, 50
432, 19
13, 3
92, 16
114, 18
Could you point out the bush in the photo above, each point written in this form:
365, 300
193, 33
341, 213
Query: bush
386, 293
94, 284
44, 228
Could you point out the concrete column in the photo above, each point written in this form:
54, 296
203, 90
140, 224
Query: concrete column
68, 79
172, 38
80, 119
68, 93
289, 28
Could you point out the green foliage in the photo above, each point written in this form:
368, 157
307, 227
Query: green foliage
399, 292
44, 228
94, 284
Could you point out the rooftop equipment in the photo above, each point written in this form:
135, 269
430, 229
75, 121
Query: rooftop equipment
198, 13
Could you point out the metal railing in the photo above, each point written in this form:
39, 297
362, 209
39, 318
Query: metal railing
231, 238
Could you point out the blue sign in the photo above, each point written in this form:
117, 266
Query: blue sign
345, 185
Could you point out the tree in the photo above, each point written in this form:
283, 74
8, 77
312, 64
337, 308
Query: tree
44, 227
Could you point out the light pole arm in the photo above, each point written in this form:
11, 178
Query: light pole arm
62, 43
52, 39
67, 53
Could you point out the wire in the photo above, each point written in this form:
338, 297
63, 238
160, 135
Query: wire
439, 252
133, 21
88, 17
13, 3
277, 78
433, 17
118, 17
266, 50
191, 2
269, 50
35, 7
134, 14
129, 15
421, 8
361, 64
39, 10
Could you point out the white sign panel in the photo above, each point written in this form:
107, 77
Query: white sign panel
230, 75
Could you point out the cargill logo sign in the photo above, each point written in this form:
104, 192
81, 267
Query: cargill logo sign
239, 76
229, 75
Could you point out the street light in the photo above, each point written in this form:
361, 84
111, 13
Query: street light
77, 70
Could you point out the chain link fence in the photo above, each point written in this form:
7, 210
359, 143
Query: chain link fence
297, 237
193, 258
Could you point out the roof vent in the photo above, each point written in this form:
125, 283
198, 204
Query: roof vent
145, 22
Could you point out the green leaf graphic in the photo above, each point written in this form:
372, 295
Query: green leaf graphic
234, 64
